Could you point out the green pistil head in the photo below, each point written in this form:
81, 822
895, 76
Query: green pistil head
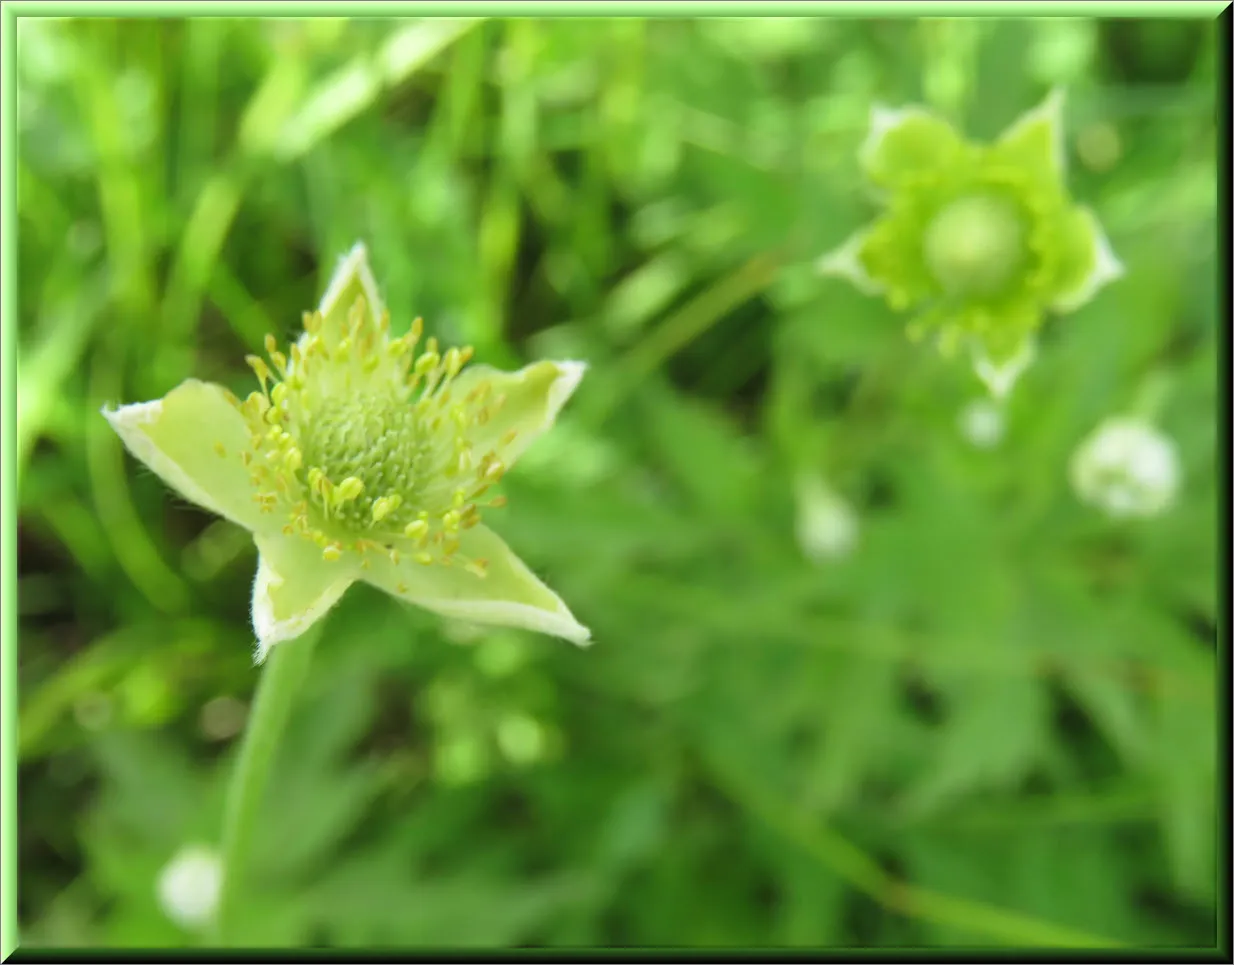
975, 246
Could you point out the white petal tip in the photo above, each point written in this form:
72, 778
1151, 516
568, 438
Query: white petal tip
268, 627
1107, 268
570, 375
844, 262
882, 120
1000, 378
351, 265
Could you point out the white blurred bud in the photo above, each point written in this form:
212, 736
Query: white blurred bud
981, 423
188, 887
1126, 468
826, 525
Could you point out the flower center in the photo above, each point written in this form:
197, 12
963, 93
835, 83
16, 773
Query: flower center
975, 245
371, 437
368, 447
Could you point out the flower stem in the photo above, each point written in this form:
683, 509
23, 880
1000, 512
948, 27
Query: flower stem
276, 691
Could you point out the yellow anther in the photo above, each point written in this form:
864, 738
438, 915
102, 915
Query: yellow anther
454, 362
279, 394
332, 553
343, 350
450, 520
424, 559
497, 502
246, 457
459, 498
280, 361
509, 437
477, 567
218, 447
383, 323
397, 348
401, 588
293, 460
416, 530
417, 329
260, 368
349, 489
384, 506
426, 362
270, 344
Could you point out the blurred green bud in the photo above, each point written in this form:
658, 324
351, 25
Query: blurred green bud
978, 241
975, 246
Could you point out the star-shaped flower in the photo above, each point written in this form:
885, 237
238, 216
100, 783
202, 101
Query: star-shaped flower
979, 240
360, 460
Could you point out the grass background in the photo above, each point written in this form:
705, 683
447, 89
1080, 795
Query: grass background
992, 723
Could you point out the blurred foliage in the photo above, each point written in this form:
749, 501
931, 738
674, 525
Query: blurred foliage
992, 723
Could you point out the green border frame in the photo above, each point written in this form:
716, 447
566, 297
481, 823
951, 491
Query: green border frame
8, 490
629, 8
1140, 9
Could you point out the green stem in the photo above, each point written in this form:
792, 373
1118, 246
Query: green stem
284, 673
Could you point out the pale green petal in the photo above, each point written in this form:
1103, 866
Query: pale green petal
353, 278
295, 587
533, 397
508, 595
1089, 263
1034, 143
906, 142
179, 437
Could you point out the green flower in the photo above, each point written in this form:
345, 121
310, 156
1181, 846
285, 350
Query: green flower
361, 460
979, 241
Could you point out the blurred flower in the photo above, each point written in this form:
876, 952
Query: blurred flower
979, 240
188, 886
981, 423
826, 525
359, 460
1126, 468
522, 739
223, 718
